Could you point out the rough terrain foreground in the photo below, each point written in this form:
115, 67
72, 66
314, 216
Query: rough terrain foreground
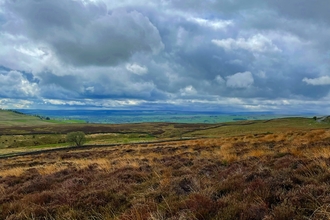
263, 176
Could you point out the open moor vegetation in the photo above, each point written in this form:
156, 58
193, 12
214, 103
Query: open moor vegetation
268, 169
262, 176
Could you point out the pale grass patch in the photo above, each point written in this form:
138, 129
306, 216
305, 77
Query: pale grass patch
208, 154
207, 142
224, 153
128, 156
226, 146
2, 189
283, 150
315, 135
150, 156
280, 137
230, 157
257, 153
218, 152
131, 159
317, 152
310, 136
82, 163
120, 163
138, 148
104, 164
51, 168
216, 142
327, 133
133, 163
247, 138
101, 135
188, 154
274, 137
157, 215
304, 139
165, 178
322, 164
296, 152
15, 171
196, 143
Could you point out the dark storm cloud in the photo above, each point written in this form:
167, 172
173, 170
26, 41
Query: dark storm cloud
66, 82
86, 34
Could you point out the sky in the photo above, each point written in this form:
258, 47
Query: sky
210, 55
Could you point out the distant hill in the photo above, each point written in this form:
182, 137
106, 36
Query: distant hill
13, 118
324, 119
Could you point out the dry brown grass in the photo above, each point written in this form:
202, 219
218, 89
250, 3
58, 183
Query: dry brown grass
15, 171
264, 176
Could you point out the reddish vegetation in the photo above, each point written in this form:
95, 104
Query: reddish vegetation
282, 176
102, 128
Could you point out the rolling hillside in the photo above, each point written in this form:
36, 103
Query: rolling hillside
12, 118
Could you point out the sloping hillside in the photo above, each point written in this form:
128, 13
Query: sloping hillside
324, 119
13, 118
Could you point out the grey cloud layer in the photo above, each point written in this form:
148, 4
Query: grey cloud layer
243, 53
85, 34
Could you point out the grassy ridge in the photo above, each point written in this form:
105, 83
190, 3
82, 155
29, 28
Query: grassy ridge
10, 118
260, 126
13, 118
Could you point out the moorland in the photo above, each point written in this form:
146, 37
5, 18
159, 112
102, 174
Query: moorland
264, 169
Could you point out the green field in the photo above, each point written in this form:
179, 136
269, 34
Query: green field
22, 133
260, 127
13, 118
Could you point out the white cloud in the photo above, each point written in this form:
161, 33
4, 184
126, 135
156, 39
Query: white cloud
92, 102
15, 103
189, 90
14, 84
219, 79
181, 36
321, 81
136, 68
256, 43
240, 80
90, 89
261, 74
214, 24
236, 62
63, 102
33, 52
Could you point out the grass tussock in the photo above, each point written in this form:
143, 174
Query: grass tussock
265, 176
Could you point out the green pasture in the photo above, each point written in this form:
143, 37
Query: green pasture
12, 118
21, 133
259, 127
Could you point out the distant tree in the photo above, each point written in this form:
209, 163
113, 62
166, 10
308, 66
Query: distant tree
315, 118
77, 138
